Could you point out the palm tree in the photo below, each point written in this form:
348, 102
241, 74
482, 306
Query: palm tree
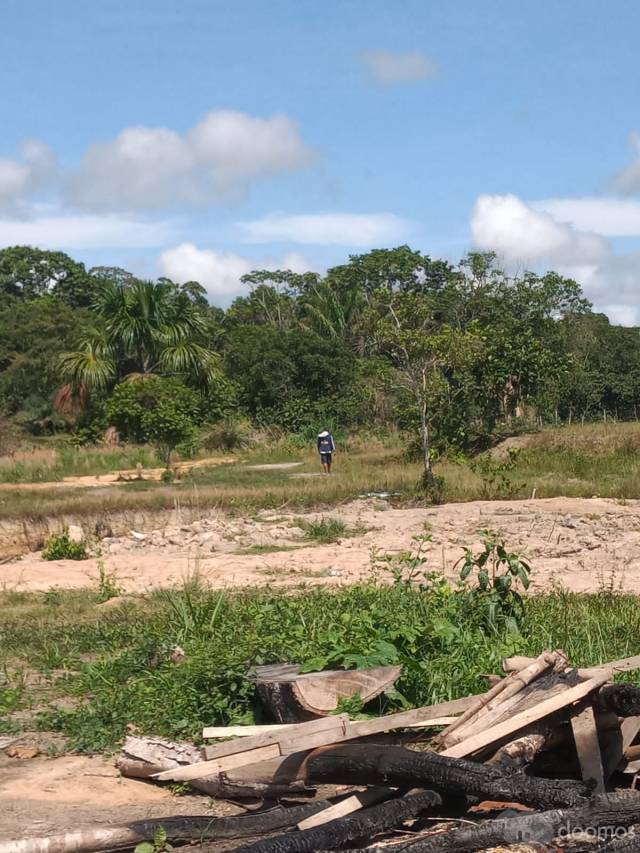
148, 329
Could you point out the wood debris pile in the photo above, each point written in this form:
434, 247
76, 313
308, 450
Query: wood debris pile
546, 757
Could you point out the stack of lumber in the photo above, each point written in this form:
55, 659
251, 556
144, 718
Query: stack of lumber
544, 756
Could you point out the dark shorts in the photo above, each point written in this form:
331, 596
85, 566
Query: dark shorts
325, 458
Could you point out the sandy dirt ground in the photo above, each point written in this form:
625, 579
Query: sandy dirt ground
579, 543
43, 796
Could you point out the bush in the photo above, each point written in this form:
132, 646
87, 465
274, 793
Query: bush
61, 547
228, 435
162, 411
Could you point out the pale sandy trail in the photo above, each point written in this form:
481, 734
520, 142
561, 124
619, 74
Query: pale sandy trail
580, 543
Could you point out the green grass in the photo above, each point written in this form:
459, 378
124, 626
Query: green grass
114, 666
575, 461
324, 531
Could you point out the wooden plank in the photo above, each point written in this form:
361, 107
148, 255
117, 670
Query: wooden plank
334, 725
213, 732
525, 718
221, 765
347, 806
216, 732
629, 729
620, 665
301, 739
585, 735
495, 698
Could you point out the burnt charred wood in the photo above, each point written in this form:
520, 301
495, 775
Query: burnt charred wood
603, 813
399, 767
622, 699
628, 843
338, 832
181, 828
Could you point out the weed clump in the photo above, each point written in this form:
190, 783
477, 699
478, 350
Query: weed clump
61, 547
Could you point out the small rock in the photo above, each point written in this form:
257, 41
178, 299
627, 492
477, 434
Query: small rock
178, 654
22, 751
139, 536
335, 573
76, 533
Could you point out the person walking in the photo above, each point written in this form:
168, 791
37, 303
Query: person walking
326, 449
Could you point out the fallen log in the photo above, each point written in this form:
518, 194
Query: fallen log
292, 696
361, 764
604, 812
181, 828
143, 758
363, 824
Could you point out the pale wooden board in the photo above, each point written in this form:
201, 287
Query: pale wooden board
335, 725
585, 735
620, 665
525, 718
344, 807
305, 738
214, 732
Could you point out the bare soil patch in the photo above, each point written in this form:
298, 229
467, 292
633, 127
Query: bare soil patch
580, 543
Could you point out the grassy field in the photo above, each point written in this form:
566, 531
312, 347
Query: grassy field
579, 461
70, 665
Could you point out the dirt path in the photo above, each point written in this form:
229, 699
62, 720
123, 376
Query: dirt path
116, 478
580, 543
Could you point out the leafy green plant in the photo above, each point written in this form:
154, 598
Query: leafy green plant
497, 572
61, 547
158, 845
108, 586
493, 472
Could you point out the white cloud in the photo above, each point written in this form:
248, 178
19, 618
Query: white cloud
610, 217
338, 229
389, 68
217, 160
19, 178
627, 180
531, 237
220, 272
84, 232
512, 228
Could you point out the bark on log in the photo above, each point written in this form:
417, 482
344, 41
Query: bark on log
362, 824
141, 758
187, 828
399, 767
293, 697
520, 751
604, 810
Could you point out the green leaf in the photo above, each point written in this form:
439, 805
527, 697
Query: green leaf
144, 847
483, 580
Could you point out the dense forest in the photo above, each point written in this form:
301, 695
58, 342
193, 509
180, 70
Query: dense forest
391, 338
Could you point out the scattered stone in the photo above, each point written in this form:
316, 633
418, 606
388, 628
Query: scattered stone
139, 536
76, 533
22, 752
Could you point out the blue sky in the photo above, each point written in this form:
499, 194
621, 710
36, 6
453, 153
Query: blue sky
202, 139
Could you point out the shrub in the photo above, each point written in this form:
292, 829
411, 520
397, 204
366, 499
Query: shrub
61, 547
227, 435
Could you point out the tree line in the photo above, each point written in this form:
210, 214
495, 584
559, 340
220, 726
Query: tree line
391, 338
